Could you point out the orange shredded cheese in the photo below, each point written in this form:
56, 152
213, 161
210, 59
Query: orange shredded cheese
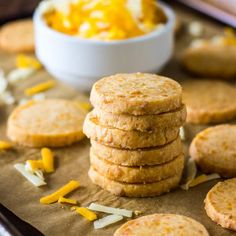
5, 145
106, 20
84, 105
24, 61
230, 36
203, 178
40, 88
47, 160
71, 186
67, 200
36, 164
86, 213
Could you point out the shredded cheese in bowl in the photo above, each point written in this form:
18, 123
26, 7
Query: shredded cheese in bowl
104, 19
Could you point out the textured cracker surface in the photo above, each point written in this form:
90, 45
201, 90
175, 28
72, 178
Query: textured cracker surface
142, 122
17, 36
140, 157
164, 224
133, 190
220, 204
214, 150
52, 122
217, 61
209, 101
127, 139
137, 174
137, 94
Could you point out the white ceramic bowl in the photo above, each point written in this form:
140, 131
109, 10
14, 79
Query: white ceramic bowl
80, 62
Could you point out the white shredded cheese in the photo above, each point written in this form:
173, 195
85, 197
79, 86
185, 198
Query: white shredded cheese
135, 6
191, 172
3, 84
20, 74
23, 101
39, 173
110, 210
63, 6
46, 6
199, 180
213, 176
36, 97
182, 133
217, 40
8, 98
195, 29
196, 43
28, 167
39, 97
35, 180
107, 220
191, 169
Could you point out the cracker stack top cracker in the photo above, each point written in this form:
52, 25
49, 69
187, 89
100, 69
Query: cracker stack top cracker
136, 94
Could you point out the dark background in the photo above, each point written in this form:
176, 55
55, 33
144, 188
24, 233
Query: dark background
13, 9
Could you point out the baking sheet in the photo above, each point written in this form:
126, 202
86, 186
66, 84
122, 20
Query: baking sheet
73, 162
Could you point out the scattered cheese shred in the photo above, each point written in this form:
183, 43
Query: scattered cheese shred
199, 180
107, 220
195, 29
182, 133
84, 105
203, 178
40, 88
67, 200
137, 213
86, 213
35, 180
8, 98
110, 210
24, 61
23, 101
191, 172
47, 160
3, 84
5, 145
39, 97
71, 186
39, 173
20, 74
35, 164
46, 6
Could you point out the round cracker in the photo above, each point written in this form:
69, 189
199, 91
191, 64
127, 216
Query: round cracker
127, 139
210, 60
134, 190
214, 150
162, 224
220, 204
140, 157
209, 101
51, 123
136, 94
142, 123
17, 36
137, 174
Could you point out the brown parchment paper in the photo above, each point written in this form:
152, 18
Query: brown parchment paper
72, 162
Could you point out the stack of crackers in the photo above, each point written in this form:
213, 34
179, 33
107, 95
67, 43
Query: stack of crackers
134, 130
